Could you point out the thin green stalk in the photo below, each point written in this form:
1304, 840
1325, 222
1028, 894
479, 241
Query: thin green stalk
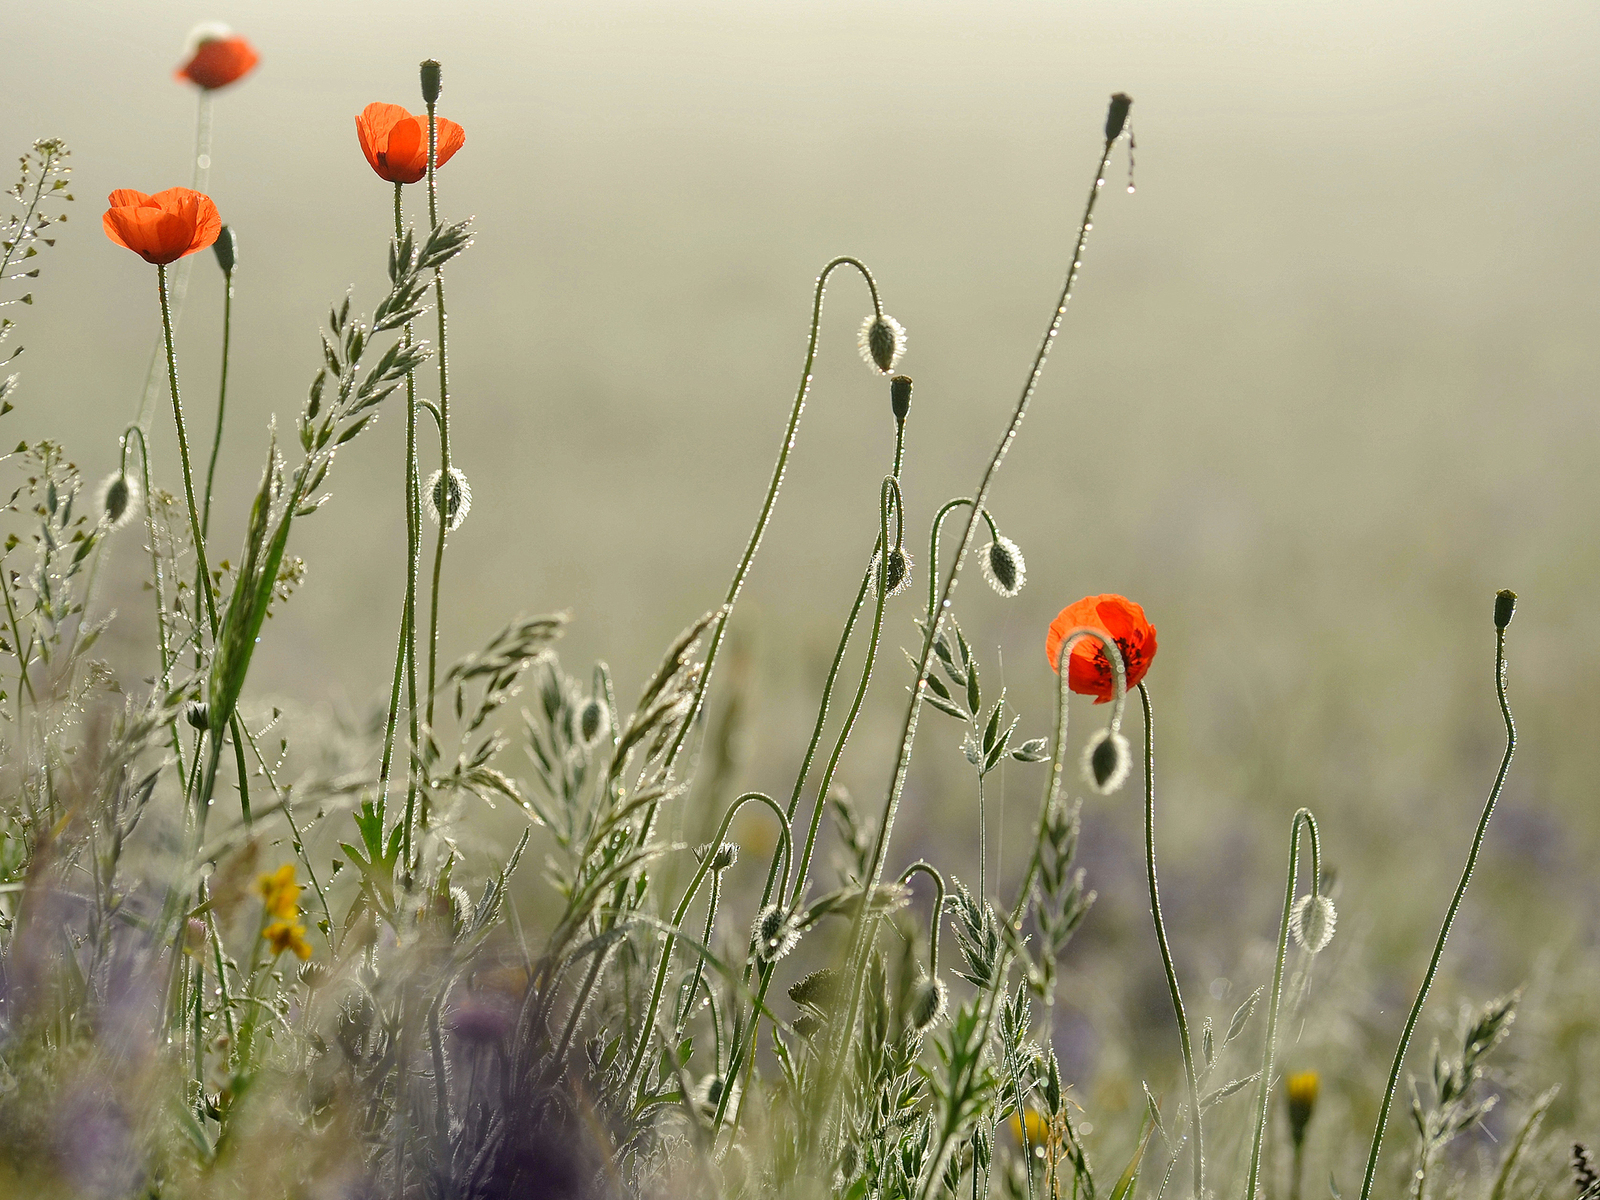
222, 398
1455, 902
864, 923
1161, 940
1264, 1084
444, 422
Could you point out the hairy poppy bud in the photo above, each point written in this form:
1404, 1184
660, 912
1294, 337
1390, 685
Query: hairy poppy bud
1117, 115
1003, 567
774, 934
1300, 1092
226, 248
1106, 761
1505, 601
1312, 921
900, 396
119, 494
882, 342
818, 989
198, 715
897, 570
927, 1002
451, 497
725, 856
430, 81
593, 721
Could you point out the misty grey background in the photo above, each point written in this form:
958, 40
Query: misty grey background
1328, 382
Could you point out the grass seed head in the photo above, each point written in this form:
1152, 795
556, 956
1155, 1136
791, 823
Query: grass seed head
593, 722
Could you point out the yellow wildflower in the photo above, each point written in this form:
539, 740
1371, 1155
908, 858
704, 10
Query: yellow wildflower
1301, 1093
287, 935
1039, 1129
280, 893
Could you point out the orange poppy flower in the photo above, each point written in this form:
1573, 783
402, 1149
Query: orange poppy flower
217, 58
162, 228
1089, 671
396, 143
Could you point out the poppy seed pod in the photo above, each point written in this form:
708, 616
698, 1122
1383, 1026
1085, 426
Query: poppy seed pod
450, 497
1117, 115
119, 495
900, 396
1004, 567
1106, 761
1505, 603
226, 248
430, 81
882, 342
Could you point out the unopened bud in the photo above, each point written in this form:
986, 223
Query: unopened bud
1004, 567
198, 714
927, 1002
448, 497
900, 396
430, 81
882, 342
896, 572
226, 248
1117, 115
1300, 1092
593, 721
774, 934
1505, 602
1106, 761
118, 496
1312, 921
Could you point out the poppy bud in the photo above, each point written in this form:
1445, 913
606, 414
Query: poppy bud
313, 975
1301, 1095
897, 570
226, 248
774, 934
725, 856
593, 721
1117, 115
1312, 921
119, 494
1505, 601
198, 715
1003, 567
927, 1002
1106, 761
430, 81
900, 396
818, 989
882, 342
451, 497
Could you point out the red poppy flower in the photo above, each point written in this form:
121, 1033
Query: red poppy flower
1089, 670
217, 58
396, 143
162, 228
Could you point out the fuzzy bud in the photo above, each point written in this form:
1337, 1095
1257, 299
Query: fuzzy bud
1311, 921
226, 248
818, 989
198, 714
119, 496
928, 999
1505, 602
882, 342
900, 396
1004, 567
450, 496
897, 571
724, 856
313, 975
1300, 1093
774, 934
1106, 761
431, 82
1117, 115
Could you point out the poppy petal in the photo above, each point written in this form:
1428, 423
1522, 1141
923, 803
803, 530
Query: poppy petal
127, 198
407, 152
449, 137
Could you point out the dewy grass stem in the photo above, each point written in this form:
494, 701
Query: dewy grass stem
1502, 605
1166, 952
1303, 818
864, 923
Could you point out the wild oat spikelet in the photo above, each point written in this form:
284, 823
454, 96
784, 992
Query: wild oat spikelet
1106, 761
1004, 567
453, 499
118, 498
1312, 921
882, 342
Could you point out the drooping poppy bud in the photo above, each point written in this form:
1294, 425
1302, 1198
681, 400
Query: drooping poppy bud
449, 498
882, 342
1312, 921
774, 934
119, 496
1106, 761
1003, 566
226, 248
928, 1000
217, 57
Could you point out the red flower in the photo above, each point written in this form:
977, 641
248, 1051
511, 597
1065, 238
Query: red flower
1089, 670
162, 228
217, 58
396, 143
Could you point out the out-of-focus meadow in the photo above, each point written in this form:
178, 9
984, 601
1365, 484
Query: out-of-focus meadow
1329, 380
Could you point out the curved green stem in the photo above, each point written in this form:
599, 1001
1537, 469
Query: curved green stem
1450, 913
648, 1023
1302, 817
933, 546
924, 867
1161, 939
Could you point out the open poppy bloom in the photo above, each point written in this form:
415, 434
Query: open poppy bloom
217, 57
396, 143
1089, 670
162, 228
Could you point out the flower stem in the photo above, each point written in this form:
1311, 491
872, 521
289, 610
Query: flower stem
1161, 939
1304, 818
222, 399
1450, 913
444, 420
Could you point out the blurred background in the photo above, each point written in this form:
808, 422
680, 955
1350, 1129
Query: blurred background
1329, 382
